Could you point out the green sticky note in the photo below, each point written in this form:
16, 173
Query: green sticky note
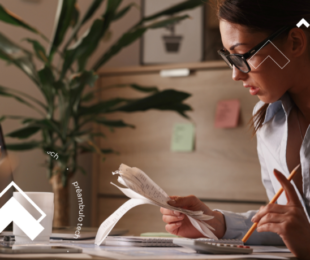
183, 138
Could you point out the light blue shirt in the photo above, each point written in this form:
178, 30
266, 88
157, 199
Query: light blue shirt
271, 149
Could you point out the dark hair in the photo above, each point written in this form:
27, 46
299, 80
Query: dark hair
267, 16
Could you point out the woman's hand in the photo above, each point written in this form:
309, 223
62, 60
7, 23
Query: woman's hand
179, 224
288, 221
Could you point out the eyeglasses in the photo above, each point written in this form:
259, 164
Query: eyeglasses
240, 60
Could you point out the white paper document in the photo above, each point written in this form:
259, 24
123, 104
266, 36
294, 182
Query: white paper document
143, 190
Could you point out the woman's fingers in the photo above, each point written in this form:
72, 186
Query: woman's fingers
170, 212
172, 219
272, 218
173, 228
270, 208
289, 188
271, 227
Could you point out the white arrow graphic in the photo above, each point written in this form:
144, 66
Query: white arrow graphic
303, 22
269, 57
14, 211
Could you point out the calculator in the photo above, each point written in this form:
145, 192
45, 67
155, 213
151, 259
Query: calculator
205, 247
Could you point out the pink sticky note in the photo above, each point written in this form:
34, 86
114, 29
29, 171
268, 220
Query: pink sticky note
227, 113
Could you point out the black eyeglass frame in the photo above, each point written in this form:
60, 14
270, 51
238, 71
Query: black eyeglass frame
226, 55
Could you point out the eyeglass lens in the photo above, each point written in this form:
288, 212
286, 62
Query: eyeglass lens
239, 63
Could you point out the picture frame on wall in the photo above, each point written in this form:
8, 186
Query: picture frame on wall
181, 42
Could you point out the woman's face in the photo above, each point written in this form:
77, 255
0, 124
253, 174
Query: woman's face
271, 71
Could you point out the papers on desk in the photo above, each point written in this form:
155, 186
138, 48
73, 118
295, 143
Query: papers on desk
142, 190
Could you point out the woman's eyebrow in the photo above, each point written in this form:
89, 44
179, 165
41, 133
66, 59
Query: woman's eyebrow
235, 45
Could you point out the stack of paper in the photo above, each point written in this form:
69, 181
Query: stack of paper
143, 190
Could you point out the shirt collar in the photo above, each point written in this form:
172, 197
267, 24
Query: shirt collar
285, 103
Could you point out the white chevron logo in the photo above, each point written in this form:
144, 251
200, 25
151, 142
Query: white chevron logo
269, 57
14, 211
303, 22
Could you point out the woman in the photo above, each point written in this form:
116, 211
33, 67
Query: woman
280, 120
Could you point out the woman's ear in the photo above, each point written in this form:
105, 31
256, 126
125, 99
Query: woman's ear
298, 42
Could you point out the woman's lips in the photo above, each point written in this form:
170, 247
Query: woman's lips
252, 89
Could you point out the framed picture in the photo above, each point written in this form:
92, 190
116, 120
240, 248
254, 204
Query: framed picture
178, 43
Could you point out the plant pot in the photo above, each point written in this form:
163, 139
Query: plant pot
61, 200
172, 43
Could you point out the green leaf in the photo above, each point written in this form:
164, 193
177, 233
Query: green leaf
20, 93
87, 43
107, 151
19, 57
112, 6
123, 11
39, 50
88, 97
24, 132
102, 107
137, 87
90, 149
63, 18
125, 40
75, 16
83, 49
23, 146
82, 170
4, 92
144, 89
78, 83
91, 10
112, 123
44, 124
47, 81
13, 19
131, 36
165, 100
89, 13
5, 57
186, 5
98, 135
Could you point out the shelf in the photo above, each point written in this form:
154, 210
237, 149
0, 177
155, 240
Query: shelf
208, 65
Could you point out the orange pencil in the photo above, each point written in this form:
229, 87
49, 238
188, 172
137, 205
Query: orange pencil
274, 199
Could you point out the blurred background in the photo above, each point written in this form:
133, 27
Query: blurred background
210, 154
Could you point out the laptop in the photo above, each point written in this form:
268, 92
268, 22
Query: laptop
6, 175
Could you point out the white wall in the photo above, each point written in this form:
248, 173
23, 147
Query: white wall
30, 174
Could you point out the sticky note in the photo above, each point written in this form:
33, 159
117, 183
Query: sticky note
227, 113
183, 138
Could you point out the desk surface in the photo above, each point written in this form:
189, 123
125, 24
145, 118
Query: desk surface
83, 256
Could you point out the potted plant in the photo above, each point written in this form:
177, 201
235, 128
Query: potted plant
70, 101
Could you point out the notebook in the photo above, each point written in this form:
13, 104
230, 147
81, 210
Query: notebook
159, 241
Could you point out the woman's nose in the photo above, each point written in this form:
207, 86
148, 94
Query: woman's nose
238, 75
